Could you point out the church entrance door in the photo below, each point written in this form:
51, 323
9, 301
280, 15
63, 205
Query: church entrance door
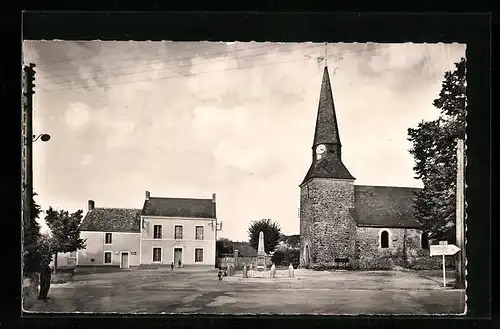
306, 256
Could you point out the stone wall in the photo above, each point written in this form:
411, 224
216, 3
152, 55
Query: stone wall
327, 226
404, 250
420, 259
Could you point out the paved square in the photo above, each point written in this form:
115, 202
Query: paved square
162, 290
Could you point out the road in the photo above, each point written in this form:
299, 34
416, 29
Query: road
157, 291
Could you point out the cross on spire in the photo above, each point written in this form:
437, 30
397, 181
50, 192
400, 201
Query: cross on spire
326, 54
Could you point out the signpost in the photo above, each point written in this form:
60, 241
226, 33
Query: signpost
444, 249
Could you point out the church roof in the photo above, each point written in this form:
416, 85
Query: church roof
179, 207
328, 168
327, 131
112, 220
384, 206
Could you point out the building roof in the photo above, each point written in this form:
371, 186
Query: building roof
179, 207
112, 220
327, 168
327, 131
244, 249
384, 206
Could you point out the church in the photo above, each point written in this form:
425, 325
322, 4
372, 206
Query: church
355, 226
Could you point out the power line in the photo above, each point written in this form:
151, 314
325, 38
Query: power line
87, 56
169, 61
179, 66
204, 73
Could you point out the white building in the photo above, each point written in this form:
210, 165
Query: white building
164, 231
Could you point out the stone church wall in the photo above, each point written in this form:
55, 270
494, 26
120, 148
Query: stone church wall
326, 222
418, 258
401, 253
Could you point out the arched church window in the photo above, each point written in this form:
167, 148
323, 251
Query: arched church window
424, 240
384, 239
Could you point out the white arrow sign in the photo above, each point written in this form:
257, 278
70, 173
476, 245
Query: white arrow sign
444, 250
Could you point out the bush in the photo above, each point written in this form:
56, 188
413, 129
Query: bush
278, 257
286, 256
291, 256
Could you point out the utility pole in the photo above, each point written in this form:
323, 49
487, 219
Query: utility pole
460, 215
29, 78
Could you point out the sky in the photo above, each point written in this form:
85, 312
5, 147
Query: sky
188, 119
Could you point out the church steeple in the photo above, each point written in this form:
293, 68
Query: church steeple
326, 148
327, 131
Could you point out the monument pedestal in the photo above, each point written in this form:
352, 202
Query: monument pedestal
260, 263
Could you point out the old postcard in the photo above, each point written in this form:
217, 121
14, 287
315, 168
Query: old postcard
244, 177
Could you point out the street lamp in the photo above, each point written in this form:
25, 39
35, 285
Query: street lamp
42, 137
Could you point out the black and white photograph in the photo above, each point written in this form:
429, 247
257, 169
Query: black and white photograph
236, 177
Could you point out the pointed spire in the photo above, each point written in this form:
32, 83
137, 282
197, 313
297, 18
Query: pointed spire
327, 131
329, 163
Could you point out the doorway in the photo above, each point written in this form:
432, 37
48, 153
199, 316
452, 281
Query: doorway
124, 260
178, 257
306, 257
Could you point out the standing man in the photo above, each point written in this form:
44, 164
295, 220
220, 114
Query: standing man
45, 276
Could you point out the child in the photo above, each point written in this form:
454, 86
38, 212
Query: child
220, 274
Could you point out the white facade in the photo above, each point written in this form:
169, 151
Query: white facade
166, 240
110, 249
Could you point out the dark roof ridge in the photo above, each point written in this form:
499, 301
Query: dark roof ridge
117, 208
174, 198
388, 186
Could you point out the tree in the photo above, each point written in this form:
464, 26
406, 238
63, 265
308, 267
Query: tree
31, 236
434, 152
291, 241
223, 246
65, 229
45, 249
272, 233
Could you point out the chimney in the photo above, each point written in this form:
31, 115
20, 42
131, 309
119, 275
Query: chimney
148, 195
91, 205
215, 208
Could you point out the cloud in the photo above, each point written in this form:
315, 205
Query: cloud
240, 123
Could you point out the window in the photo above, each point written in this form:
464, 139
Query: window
157, 232
108, 239
178, 232
384, 239
156, 254
198, 255
72, 258
424, 240
199, 233
107, 257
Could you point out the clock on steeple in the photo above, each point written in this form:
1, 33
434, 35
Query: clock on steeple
320, 149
